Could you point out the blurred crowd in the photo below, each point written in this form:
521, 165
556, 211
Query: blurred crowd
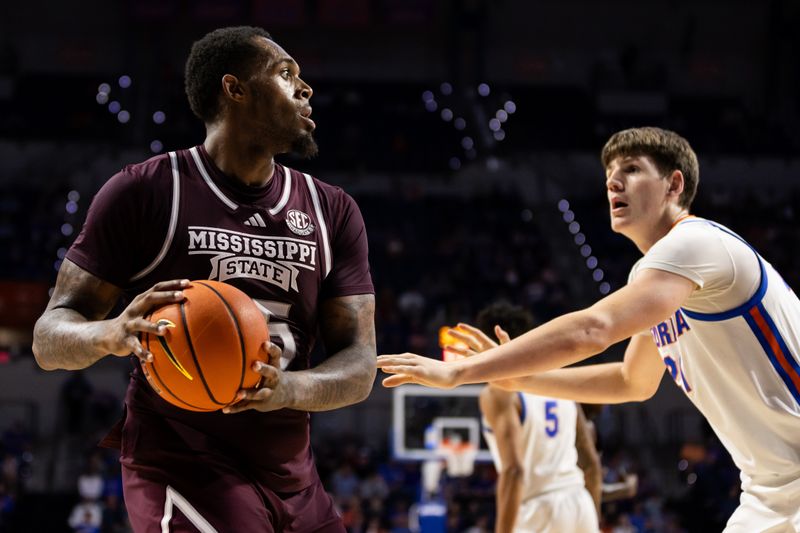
438, 260
15, 463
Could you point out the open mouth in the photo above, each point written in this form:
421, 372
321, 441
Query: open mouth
616, 203
305, 114
309, 122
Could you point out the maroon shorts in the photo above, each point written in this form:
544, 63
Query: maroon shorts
211, 497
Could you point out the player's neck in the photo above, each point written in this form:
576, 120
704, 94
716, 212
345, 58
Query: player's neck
651, 234
252, 165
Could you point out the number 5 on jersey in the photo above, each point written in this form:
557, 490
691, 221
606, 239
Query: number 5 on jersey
274, 312
551, 418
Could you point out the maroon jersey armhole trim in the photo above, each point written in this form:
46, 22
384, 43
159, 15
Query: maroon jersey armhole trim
173, 220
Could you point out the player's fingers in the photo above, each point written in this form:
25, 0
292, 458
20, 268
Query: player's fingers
249, 399
480, 336
459, 349
253, 395
145, 326
402, 369
463, 336
398, 358
502, 335
173, 284
397, 380
237, 407
470, 329
269, 374
470, 340
132, 343
148, 300
274, 353
387, 369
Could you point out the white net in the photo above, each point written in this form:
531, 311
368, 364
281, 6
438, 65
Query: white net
459, 457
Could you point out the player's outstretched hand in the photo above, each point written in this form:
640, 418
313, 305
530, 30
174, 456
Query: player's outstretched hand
472, 340
411, 368
274, 391
120, 335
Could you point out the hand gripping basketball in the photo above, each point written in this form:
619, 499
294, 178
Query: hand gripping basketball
273, 392
120, 336
204, 356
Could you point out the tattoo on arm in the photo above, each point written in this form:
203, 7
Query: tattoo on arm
347, 375
65, 335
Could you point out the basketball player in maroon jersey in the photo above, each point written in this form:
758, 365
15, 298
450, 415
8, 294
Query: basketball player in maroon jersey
225, 210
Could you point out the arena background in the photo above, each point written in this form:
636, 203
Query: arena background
469, 132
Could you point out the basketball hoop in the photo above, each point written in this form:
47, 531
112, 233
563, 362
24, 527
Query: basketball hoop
459, 456
440, 429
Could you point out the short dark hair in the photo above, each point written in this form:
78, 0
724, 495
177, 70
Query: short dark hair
512, 318
223, 51
668, 150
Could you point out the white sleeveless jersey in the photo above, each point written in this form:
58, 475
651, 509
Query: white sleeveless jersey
733, 348
549, 457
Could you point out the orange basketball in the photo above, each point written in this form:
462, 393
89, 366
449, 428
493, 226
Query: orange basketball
212, 339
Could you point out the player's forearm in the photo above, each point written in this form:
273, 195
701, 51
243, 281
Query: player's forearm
560, 342
593, 479
508, 498
588, 459
602, 383
65, 339
343, 379
620, 490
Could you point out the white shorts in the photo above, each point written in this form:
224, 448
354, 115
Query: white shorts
767, 510
569, 510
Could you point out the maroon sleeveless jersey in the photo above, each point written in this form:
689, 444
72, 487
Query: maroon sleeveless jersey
288, 245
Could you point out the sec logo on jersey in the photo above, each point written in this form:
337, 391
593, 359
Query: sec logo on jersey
299, 222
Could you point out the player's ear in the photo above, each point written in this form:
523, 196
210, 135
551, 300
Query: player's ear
676, 183
232, 88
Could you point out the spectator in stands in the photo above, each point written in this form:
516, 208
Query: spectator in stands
86, 517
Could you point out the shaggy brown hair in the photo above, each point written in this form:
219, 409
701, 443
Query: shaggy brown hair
668, 150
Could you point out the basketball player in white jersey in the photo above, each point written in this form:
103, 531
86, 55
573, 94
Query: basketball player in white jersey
549, 476
701, 301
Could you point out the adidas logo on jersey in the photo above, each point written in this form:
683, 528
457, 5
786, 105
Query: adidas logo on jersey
256, 221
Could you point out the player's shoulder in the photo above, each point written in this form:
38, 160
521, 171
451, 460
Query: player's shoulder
696, 225
696, 248
156, 168
692, 234
135, 178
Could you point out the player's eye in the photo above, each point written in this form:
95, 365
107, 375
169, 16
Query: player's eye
286, 74
631, 169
